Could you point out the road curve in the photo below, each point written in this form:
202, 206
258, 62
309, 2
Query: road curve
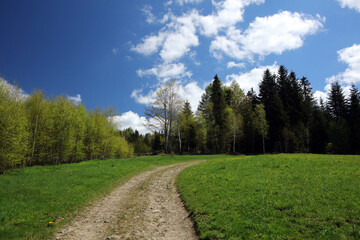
147, 206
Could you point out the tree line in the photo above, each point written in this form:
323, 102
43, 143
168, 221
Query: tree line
37, 131
283, 117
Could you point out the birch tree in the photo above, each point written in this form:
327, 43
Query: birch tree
164, 110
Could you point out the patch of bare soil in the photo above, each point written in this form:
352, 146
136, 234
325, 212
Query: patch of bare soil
145, 207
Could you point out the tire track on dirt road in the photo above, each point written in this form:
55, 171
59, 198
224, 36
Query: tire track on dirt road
147, 206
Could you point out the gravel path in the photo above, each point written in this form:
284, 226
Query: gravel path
145, 207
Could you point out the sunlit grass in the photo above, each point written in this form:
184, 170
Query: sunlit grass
275, 197
34, 201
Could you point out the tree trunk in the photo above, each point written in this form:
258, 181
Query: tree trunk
180, 150
33, 146
263, 142
234, 148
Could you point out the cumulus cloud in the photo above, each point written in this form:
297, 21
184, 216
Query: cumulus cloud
235, 65
355, 4
266, 35
182, 2
351, 75
150, 44
319, 95
147, 11
75, 99
165, 71
190, 92
178, 37
133, 120
139, 97
252, 78
173, 41
229, 13
350, 56
15, 91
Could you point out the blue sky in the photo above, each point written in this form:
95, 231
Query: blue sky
117, 53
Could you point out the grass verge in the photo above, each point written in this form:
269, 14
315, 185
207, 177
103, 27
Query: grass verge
34, 201
299, 196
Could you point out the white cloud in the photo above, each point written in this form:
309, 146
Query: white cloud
15, 91
229, 13
165, 71
350, 4
230, 47
150, 44
266, 35
150, 17
76, 99
280, 32
319, 95
235, 65
178, 37
137, 94
192, 56
115, 51
251, 79
350, 56
346, 89
182, 2
181, 36
351, 75
133, 120
192, 93
174, 40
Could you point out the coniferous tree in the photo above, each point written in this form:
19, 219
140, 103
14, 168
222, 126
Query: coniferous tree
336, 102
275, 116
307, 109
219, 129
339, 131
354, 120
319, 130
188, 128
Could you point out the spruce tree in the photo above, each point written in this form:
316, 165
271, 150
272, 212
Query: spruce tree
354, 120
219, 128
273, 106
336, 105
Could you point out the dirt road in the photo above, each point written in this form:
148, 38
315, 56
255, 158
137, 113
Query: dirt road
145, 207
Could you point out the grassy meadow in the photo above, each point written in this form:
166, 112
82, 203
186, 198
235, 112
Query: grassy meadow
32, 197
298, 196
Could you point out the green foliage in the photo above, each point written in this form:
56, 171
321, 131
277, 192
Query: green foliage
34, 130
274, 197
13, 124
189, 130
141, 144
354, 120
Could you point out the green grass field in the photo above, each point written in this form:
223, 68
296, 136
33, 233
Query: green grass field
275, 197
32, 197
